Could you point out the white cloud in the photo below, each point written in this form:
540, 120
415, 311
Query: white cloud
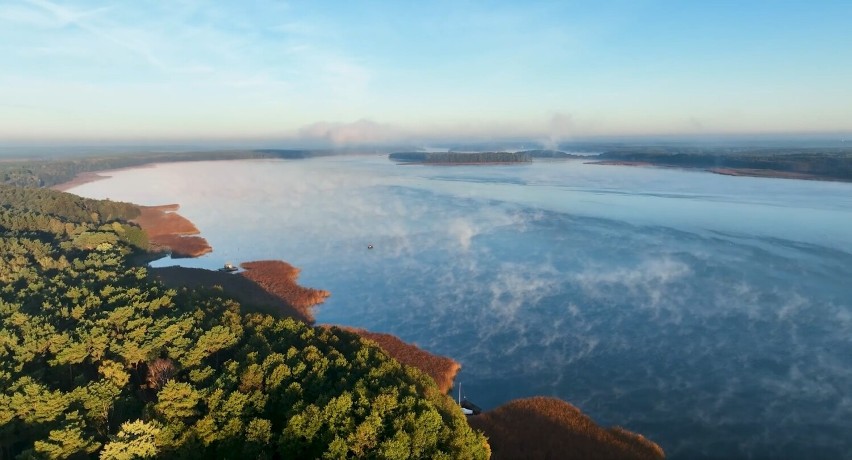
358, 132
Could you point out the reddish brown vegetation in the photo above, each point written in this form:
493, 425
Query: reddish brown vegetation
442, 369
279, 278
183, 246
549, 428
160, 371
168, 230
248, 293
163, 220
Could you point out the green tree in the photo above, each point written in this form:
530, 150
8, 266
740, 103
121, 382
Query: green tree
136, 439
67, 441
177, 401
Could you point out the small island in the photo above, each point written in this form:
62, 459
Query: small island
460, 158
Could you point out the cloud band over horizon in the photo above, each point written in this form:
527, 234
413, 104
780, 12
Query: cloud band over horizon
373, 72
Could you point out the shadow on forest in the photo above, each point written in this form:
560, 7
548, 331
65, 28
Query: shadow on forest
250, 294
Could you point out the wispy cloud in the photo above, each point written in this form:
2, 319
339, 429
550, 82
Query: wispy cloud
92, 22
222, 48
45, 14
358, 132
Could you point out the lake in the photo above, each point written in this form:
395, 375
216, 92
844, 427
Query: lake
712, 314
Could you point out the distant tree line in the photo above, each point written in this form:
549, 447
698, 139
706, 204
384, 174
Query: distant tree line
50, 172
97, 360
547, 153
823, 163
460, 158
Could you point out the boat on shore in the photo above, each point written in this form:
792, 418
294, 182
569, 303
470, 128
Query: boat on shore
228, 267
467, 407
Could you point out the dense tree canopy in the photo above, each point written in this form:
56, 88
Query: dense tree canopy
96, 360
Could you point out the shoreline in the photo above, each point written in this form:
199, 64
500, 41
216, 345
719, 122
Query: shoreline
442, 369
269, 286
79, 179
543, 427
171, 232
279, 279
736, 172
86, 177
470, 163
167, 230
769, 173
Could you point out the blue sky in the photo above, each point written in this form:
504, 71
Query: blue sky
351, 72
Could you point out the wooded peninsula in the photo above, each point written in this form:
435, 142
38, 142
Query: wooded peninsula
97, 359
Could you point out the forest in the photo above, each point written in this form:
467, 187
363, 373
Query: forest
97, 359
52, 171
815, 163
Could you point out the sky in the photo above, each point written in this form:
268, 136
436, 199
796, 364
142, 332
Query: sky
359, 72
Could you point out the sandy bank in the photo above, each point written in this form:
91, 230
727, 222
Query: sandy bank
442, 369
547, 428
168, 230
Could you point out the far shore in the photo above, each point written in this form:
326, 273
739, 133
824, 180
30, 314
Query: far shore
471, 163
739, 172
93, 176
770, 173
79, 179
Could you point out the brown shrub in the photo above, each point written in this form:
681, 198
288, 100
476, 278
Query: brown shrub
163, 220
160, 371
442, 369
549, 428
181, 246
170, 231
279, 278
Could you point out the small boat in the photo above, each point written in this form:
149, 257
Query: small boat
369, 246
467, 407
229, 267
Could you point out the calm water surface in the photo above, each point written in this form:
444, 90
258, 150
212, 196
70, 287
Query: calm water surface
712, 314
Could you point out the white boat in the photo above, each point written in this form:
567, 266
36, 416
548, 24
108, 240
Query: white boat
467, 407
229, 267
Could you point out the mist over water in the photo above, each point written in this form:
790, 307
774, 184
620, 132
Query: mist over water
712, 314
